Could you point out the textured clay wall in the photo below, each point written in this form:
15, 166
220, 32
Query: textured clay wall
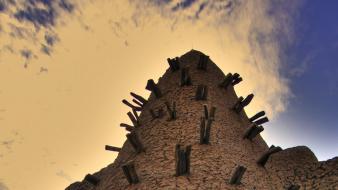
211, 165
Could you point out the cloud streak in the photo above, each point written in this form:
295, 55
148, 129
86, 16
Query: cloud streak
64, 175
30, 25
252, 35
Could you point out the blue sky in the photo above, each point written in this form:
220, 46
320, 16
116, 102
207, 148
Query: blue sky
311, 66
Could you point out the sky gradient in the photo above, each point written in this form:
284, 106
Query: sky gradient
65, 66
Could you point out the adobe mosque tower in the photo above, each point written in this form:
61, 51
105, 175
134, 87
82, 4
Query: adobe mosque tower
193, 133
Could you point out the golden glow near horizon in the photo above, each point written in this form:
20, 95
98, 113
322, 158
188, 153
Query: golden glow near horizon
54, 125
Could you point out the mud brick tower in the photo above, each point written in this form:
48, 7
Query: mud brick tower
193, 133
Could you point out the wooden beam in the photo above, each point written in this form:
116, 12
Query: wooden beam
133, 119
226, 81
261, 121
237, 175
202, 130
294, 187
256, 116
136, 117
127, 127
182, 158
151, 86
131, 105
206, 112
201, 92
174, 64
139, 98
112, 148
135, 142
171, 111
185, 78
203, 62
252, 132
235, 76
130, 173
241, 103
265, 157
247, 100
205, 130
209, 114
138, 103
237, 81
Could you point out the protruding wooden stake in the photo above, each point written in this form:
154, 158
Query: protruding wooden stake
205, 130
174, 64
138, 103
247, 100
185, 78
294, 187
235, 76
240, 104
257, 115
236, 79
136, 117
252, 132
264, 158
130, 173
112, 148
135, 142
139, 98
201, 92
127, 127
182, 158
202, 63
171, 111
133, 119
226, 81
232, 79
261, 121
151, 86
131, 105
202, 130
92, 179
237, 175
207, 114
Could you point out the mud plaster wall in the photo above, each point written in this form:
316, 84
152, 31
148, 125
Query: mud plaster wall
211, 165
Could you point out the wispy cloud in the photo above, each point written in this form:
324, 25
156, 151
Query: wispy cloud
32, 24
252, 34
8, 144
64, 175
